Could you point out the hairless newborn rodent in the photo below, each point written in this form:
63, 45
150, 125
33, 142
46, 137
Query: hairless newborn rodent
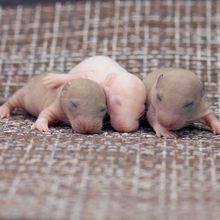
81, 102
175, 98
125, 92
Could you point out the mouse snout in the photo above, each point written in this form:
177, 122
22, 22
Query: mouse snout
125, 126
87, 126
170, 121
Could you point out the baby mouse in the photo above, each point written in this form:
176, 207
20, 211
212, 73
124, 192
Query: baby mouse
81, 103
175, 98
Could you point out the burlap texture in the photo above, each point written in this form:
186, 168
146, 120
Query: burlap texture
61, 175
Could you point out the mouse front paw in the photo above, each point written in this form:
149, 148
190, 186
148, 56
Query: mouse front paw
212, 121
4, 112
216, 127
163, 132
40, 125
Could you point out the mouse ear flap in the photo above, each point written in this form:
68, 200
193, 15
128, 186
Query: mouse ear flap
160, 77
202, 88
111, 97
117, 100
109, 79
64, 90
65, 87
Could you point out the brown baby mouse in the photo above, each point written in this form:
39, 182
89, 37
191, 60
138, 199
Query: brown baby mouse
80, 102
175, 98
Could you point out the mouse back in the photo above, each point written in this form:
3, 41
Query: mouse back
37, 95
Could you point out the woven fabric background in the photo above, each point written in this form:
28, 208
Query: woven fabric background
61, 175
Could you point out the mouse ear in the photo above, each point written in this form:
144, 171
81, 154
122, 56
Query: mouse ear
117, 99
66, 91
110, 97
65, 88
160, 77
109, 79
202, 88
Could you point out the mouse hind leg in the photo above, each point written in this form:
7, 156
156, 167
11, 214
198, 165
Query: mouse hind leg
16, 100
54, 80
211, 121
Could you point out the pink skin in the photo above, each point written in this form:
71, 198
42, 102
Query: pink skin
81, 102
125, 93
173, 103
211, 121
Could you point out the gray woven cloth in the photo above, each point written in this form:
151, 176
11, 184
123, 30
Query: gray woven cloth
119, 176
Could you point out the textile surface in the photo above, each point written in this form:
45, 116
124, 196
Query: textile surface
62, 175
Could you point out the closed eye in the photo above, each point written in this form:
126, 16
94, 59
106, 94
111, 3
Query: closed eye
103, 110
142, 113
73, 104
159, 97
188, 105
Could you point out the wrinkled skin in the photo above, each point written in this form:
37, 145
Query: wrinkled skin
125, 93
176, 98
81, 102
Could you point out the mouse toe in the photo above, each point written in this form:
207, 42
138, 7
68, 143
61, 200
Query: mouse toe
216, 128
163, 132
4, 112
40, 125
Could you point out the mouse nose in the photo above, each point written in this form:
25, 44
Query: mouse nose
87, 127
125, 126
170, 122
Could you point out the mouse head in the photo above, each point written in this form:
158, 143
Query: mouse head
176, 97
84, 103
126, 97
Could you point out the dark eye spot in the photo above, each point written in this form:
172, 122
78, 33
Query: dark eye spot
159, 97
142, 113
73, 104
103, 109
188, 105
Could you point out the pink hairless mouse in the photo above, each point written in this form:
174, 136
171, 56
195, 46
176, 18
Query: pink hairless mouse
175, 98
125, 92
81, 102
